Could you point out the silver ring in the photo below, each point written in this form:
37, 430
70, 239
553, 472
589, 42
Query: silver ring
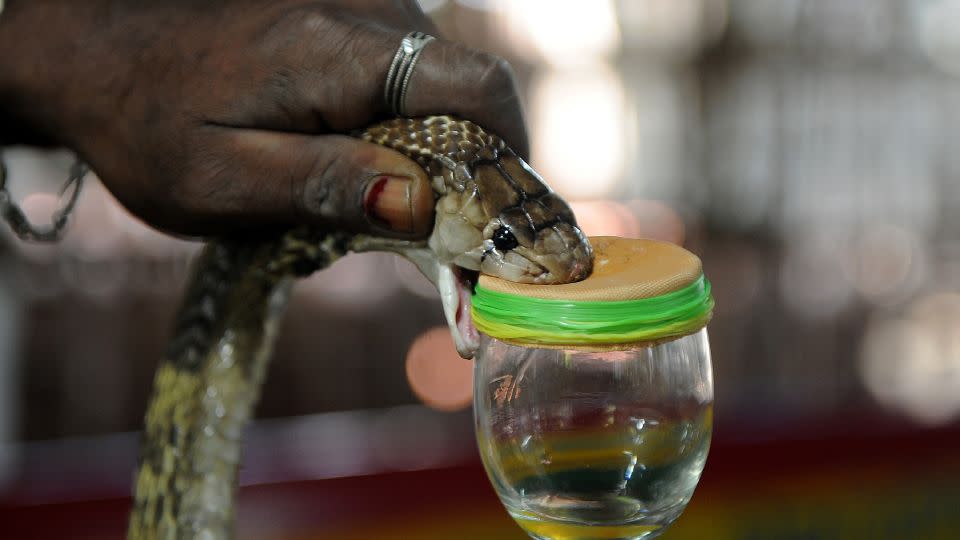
401, 69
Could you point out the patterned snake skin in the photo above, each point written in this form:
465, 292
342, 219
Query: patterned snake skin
494, 215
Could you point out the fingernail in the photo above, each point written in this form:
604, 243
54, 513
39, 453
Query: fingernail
388, 202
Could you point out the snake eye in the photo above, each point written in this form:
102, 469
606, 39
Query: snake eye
504, 240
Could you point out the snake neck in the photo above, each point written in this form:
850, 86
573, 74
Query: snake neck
209, 382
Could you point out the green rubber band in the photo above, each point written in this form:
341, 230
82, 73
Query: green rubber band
564, 322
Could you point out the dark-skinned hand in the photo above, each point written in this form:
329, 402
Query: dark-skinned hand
203, 117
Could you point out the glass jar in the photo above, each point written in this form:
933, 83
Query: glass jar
585, 435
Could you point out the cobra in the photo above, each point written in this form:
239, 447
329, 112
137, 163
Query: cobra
494, 215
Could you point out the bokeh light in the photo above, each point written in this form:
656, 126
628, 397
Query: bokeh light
562, 32
580, 130
912, 363
436, 373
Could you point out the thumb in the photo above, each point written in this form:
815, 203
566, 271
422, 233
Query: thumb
251, 178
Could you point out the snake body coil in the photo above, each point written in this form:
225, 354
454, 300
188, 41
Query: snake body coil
209, 379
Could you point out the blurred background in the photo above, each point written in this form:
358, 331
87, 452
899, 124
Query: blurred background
803, 148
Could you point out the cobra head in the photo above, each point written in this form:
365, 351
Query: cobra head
494, 215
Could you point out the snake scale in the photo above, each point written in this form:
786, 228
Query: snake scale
494, 215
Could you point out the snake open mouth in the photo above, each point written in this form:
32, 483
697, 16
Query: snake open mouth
466, 280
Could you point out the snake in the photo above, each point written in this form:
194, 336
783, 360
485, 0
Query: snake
493, 215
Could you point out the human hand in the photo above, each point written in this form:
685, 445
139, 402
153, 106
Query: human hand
205, 117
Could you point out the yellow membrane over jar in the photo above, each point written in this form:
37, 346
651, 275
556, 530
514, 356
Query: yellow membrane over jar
640, 292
